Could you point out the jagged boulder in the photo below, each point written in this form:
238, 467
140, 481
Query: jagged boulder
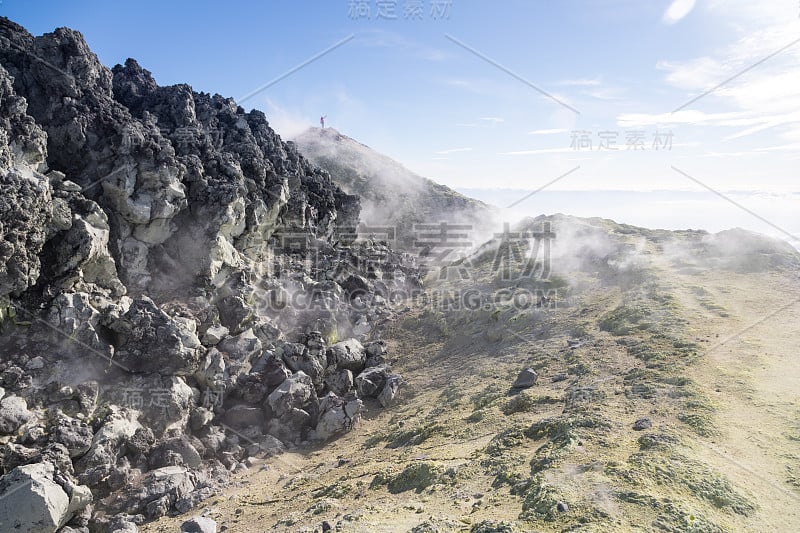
299, 358
33, 502
13, 455
151, 341
214, 334
124, 523
389, 391
239, 352
157, 492
75, 435
293, 393
79, 256
118, 426
74, 315
199, 524
371, 381
158, 402
242, 416
211, 373
13, 413
337, 415
272, 370
175, 451
339, 382
526, 379
348, 355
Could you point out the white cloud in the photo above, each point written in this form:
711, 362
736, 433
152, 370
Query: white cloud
695, 74
726, 155
486, 87
541, 151
677, 10
605, 93
482, 122
690, 117
791, 147
453, 151
552, 131
750, 83
583, 82
792, 119
380, 38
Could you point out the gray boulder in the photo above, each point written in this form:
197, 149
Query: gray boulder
242, 416
349, 355
125, 523
371, 381
291, 426
13, 455
195, 498
157, 492
337, 415
179, 448
526, 379
199, 418
33, 502
75, 435
118, 426
214, 335
153, 342
73, 314
37, 363
340, 382
80, 256
233, 312
240, 351
13, 414
293, 393
272, 369
199, 524
389, 391
299, 358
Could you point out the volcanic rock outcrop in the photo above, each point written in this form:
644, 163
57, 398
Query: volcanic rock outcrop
176, 291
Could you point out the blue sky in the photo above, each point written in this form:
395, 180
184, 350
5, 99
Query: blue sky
401, 86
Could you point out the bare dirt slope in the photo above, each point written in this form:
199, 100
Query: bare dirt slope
648, 325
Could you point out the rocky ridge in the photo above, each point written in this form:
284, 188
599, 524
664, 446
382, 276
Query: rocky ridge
396, 203
180, 291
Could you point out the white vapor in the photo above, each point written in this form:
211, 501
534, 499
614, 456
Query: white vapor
677, 10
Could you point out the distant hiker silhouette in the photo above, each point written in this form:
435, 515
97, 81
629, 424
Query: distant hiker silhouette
322, 121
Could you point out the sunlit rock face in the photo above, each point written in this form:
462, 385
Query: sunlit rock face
172, 277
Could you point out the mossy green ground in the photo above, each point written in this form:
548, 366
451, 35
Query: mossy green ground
461, 451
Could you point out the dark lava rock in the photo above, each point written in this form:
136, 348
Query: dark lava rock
199, 524
526, 379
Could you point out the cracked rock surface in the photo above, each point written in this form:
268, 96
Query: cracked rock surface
175, 291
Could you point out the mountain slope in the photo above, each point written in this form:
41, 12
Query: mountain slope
175, 292
391, 195
664, 400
